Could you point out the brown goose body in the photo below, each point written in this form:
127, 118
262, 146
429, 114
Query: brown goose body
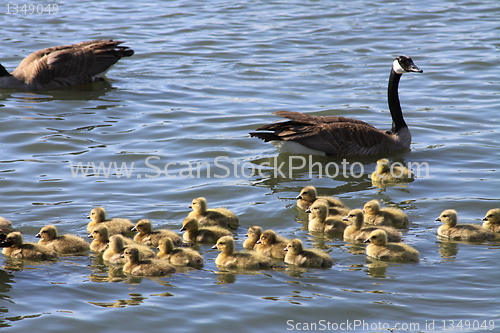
341, 136
65, 65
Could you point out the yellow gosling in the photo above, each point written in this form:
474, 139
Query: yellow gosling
221, 217
272, 245
115, 226
385, 173
492, 220
357, 231
63, 244
14, 246
144, 267
379, 248
297, 255
118, 243
5, 226
178, 256
388, 216
309, 194
100, 236
230, 259
450, 228
319, 220
147, 236
193, 232
253, 235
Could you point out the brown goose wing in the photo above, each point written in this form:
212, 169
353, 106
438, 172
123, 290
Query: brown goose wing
311, 119
70, 64
338, 136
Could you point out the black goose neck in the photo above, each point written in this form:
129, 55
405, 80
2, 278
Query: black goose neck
3, 71
398, 121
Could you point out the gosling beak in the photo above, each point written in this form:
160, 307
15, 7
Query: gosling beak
190, 206
122, 255
308, 210
214, 247
345, 218
38, 235
438, 219
367, 240
485, 219
285, 249
258, 242
90, 236
88, 216
133, 229
183, 229
298, 197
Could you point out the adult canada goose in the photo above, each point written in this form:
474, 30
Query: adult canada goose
253, 235
146, 235
64, 244
386, 173
231, 259
319, 220
193, 232
178, 256
115, 225
340, 136
388, 216
272, 245
64, 66
450, 228
297, 255
14, 246
309, 194
383, 250
492, 220
144, 267
221, 217
357, 230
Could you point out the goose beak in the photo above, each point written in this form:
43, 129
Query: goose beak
38, 235
122, 255
214, 247
190, 206
485, 219
298, 197
367, 240
345, 218
285, 249
258, 242
133, 229
438, 219
183, 229
90, 236
415, 69
88, 216
308, 210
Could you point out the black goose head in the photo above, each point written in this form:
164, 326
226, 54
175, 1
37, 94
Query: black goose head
404, 64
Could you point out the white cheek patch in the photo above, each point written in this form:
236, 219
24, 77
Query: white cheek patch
397, 67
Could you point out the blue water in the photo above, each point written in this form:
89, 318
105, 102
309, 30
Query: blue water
204, 75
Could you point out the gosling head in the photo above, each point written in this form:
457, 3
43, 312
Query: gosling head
166, 245
493, 216
190, 224
294, 246
97, 215
14, 239
356, 218
254, 233
268, 237
100, 233
199, 205
308, 193
372, 207
225, 244
404, 64
5, 225
377, 237
319, 208
131, 254
143, 227
116, 243
47, 233
448, 217
383, 166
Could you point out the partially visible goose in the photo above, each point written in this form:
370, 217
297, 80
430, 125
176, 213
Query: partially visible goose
178, 256
386, 173
100, 236
253, 235
340, 136
388, 216
272, 245
146, 235
309, 194
14, 246
381, 249
221, 217
357, 230
5, 227
115, 225
193, 232
231, 259
64, 244
64, 66
450, 228
297, 255
319, 220
492, 220
144, 267
118, 243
